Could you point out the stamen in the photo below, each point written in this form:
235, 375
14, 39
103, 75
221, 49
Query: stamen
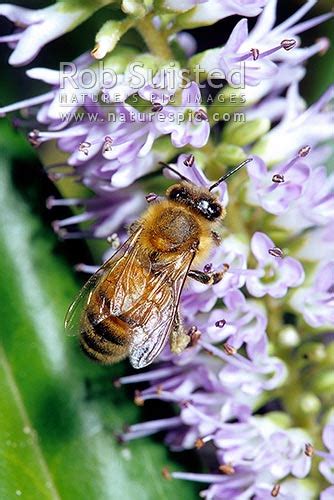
151, 197
200, 442
288, 44
229, 349
194, 335
189, 161
221, 323
85, 268
304, 151
58, 176
276, 252
166, 474
84, 147
227, 469
156, 425
201, 115
278, 178
275, 491
208, 268
246, 272
51, 202
107, 146
309, 450
151, 375
138, 400
34, 138
255, 53
157, 107
238, 361
211, 478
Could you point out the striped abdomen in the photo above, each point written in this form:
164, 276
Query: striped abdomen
106, 340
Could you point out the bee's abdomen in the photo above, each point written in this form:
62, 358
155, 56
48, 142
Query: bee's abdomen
105, 341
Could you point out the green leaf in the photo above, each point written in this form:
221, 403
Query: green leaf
57, 440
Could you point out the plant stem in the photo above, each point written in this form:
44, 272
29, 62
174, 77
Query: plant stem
155, 40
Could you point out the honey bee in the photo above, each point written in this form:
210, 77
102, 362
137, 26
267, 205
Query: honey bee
130, 306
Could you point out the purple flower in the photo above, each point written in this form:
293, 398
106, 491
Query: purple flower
188, 123
254, 456
163, 86
318, 244
315, 207
109, 212
233, 252
248, 321
275, 274
278, 189
262, 48
296, 129
326, 466
36, 28
210, 11
316, 302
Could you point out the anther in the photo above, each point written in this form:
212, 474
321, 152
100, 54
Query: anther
34, 138
229, 349
288, 44
159, 389
326, 44
275, 491
117, 383
208, 268
107, 146
49, 202
226, 267
157, 107
309, 450
138, 400
278, 178
255, 53
189, 161
166, 474
194, 335
276, 252
304, 151
221, 323
84, 147
151, 197
227, 469
201, 115
199, 443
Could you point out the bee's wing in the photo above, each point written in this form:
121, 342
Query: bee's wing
76, 309
154, 313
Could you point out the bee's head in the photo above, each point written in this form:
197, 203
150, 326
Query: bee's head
198, 199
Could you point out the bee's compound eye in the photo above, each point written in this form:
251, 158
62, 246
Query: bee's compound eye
215, 210
179, 193
209, 209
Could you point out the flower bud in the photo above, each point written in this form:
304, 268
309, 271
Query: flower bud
288, 337
309, 403
246, 133
108, 36
323, 382
133, 7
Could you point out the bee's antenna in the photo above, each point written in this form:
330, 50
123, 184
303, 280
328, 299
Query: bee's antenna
226, 176
165, 165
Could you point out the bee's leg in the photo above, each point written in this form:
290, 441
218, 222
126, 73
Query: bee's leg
216, 238
113, 241
206, 278
178, 337
132, 228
